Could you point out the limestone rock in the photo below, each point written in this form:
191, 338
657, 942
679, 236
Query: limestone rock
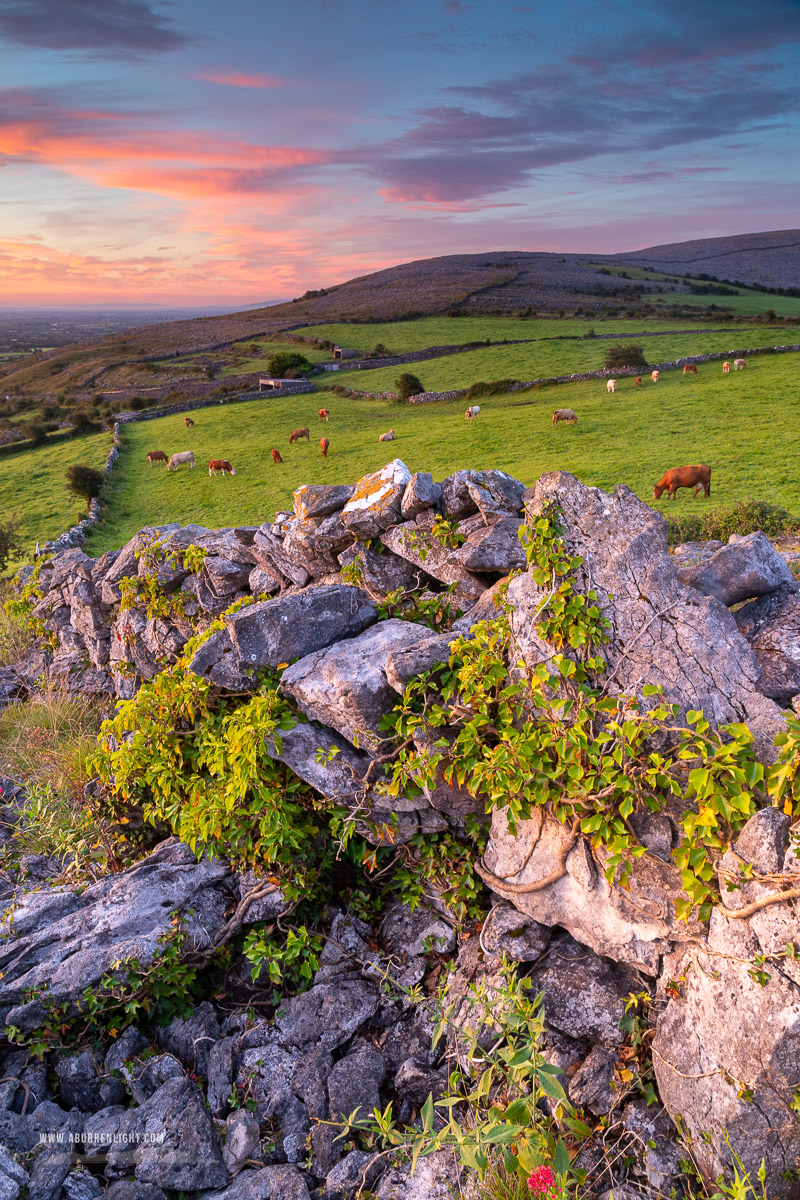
416, 544
384, 572
636, 925
437, 1177
584, 995
508, 931
747, 567
493, 549
662, 631
191, 1038
268, 1183
456, 499
69, 940
421, 493
592, 1084
277, 631
242, 1138
321, 499
345, 685
170, 1141
406, 662
772, 627
376, 500
327, 1014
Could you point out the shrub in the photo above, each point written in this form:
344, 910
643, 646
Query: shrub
84, 481
35, 432
408, 385
278, 365
624, 355
742, 517
80, 420
477, 390
10, 540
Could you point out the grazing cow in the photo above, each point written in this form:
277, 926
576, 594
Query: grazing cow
220, 464
611, 386
297, 434
638, 381
387, 437
276, 458
324, 414
684, 477
690, 369
564, 414
726, 368
188, 422
323, 445
654, 376
185, 456
156, 456
739, 364
472, 412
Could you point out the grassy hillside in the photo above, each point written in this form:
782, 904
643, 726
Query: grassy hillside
32, 484
551, 357
747, 426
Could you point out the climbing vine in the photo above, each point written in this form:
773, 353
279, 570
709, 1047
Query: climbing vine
553, 738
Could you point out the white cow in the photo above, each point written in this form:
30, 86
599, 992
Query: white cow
739, 364
611, 386
654, 376
472, 412
387, 437
185, 456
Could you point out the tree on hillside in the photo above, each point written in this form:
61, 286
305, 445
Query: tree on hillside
408, 385
624, 355
84, 481
287, 364
35, 432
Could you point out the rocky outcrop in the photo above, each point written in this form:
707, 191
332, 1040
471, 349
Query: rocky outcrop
661, 631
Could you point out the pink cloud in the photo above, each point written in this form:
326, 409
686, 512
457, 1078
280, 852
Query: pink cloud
241, 79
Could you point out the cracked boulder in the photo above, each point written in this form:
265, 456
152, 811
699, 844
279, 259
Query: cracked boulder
345, 685
746, 568
726, 1047
772, 627
421, 493
383, 572
321, 499
293, 626
493, 549
662, 631
68, 940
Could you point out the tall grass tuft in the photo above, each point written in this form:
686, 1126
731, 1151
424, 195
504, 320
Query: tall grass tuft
48, 738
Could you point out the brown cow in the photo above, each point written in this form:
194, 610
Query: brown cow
323, 445
564, 414
188, 421
684, 477
276, 458
156, 456
726, 368
220, 464
324, 414
690, 369
638, 381
297, 434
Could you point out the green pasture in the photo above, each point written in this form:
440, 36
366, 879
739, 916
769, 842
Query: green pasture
252, 362
745, 425
538, 360
401, 337
32, 484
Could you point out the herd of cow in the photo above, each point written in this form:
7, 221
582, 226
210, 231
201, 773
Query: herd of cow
697, 476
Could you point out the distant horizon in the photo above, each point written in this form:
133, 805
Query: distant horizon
155, 153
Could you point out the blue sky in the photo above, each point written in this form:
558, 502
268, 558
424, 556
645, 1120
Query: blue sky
200, 152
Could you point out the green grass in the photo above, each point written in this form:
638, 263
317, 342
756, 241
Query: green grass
259, 362
745, 425
539, 360
401, 337
32, 483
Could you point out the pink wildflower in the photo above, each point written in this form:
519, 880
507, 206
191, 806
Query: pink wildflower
543, 1184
